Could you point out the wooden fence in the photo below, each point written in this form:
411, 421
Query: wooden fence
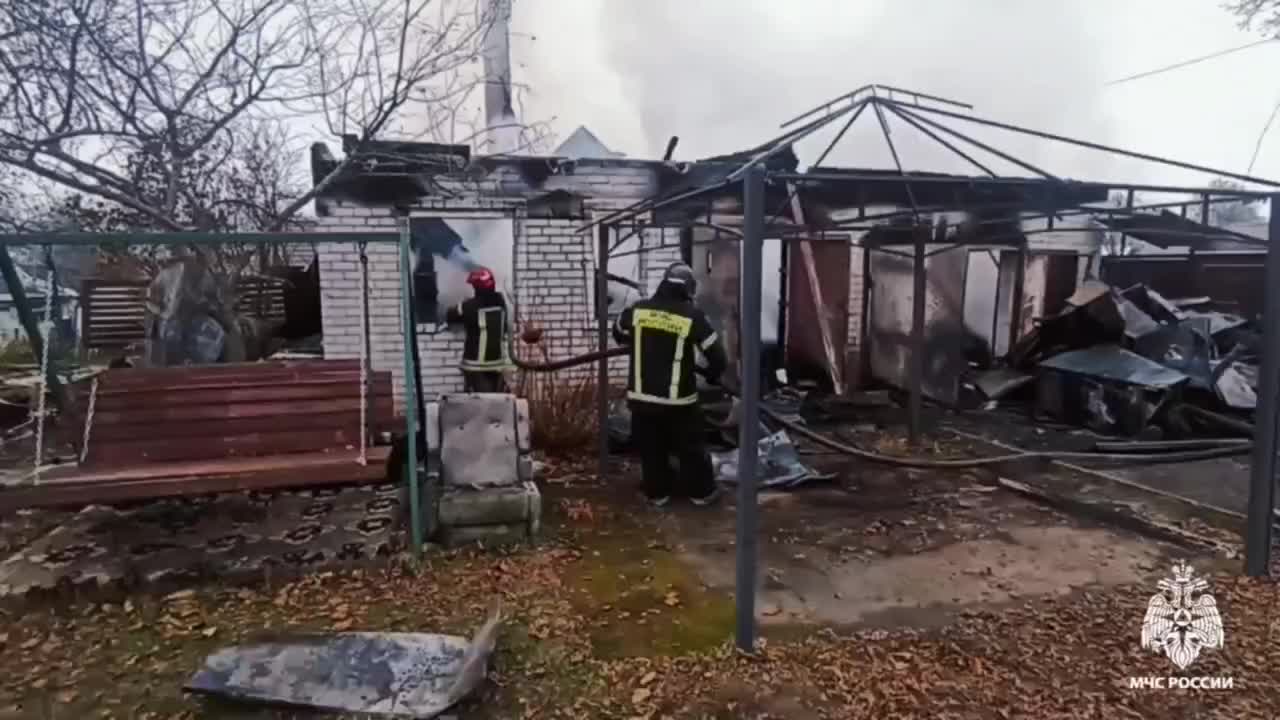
114, 311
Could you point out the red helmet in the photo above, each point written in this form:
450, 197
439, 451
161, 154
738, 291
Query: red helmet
481, 279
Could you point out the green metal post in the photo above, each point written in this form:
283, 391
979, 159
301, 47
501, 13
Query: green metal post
27, 316
410, 393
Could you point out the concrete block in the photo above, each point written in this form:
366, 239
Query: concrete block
488, 535
478, 440
461, 507
524, 468
432, 430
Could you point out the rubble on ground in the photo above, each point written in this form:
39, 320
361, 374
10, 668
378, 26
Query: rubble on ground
1131, 362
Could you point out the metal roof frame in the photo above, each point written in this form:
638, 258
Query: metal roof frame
912, 108
752, 177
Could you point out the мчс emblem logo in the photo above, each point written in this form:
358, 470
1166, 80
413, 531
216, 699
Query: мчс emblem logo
1182, 619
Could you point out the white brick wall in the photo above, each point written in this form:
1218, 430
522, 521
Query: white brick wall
555, 290
552, 263
553, 281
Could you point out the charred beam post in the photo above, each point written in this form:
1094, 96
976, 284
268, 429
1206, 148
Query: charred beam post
1017, 301
412, 387
602, 343
918, 291
1262, 482
749, 420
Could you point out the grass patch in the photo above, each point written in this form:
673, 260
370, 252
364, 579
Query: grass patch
645, 601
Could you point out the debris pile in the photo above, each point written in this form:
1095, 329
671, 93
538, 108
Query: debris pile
1131, 362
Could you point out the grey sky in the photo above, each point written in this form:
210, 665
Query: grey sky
722, 74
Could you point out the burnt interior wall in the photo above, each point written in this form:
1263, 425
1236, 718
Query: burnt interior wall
715, 264
1234, 280
805, 352
946, 339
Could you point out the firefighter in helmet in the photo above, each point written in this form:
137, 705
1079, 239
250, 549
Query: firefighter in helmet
665, 333
486, 321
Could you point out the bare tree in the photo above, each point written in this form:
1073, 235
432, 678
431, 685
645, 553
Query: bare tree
242, 182
1263, 15
91, 89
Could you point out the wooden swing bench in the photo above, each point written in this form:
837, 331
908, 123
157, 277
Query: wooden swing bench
167, 432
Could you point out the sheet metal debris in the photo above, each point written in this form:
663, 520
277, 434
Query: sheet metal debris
1107, 388
412, 675
999, 382
779, 466
1113, 363
1116, 360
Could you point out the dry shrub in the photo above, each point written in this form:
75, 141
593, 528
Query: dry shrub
562, 410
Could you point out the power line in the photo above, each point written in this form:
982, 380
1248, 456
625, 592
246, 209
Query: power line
1193, 61
1257, 147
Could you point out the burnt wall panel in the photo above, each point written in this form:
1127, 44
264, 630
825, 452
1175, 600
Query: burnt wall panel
1233, 280
806, 355
945, 336
716, 265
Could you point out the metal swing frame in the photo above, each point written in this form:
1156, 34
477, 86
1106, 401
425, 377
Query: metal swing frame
57, 389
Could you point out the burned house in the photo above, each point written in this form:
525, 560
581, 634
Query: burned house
837, 308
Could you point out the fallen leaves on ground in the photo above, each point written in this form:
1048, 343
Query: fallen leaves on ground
1064, 658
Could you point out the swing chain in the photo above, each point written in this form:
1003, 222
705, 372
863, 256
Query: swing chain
46, 335
364, 353
88, 420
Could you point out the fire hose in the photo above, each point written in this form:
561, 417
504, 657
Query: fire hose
1228, 448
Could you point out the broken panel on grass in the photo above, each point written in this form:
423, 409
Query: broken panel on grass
1106, 388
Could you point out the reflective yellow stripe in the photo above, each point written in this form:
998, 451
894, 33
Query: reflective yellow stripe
674, 392
645, 397
636, 356
661, 320
670, 323
482, 349
489, 365
711, 340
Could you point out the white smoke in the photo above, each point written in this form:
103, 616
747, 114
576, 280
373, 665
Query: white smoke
722, 74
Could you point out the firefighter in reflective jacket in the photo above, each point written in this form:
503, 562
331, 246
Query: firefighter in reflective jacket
665, 333
484, 352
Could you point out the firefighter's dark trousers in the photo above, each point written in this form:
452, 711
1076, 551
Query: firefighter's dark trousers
483, 382
662, 431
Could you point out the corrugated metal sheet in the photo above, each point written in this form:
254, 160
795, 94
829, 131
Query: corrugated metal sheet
1110, 362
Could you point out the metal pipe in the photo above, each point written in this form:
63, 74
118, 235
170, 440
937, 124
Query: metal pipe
940, 140
749, 423
792, 188
1150, 446
602, 344
790, 138
1262, 485
978, 143
924, 96
1101, 147
1222, 421
999, 181
81, 239
410, 391
366, 362
824, 106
